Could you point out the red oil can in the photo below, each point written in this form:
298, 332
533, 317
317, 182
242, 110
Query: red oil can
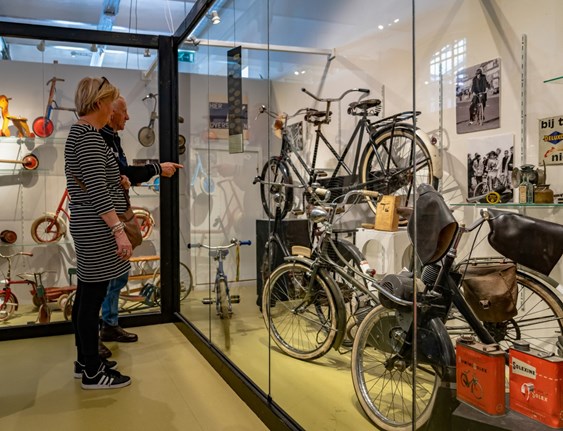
536, 384
480, 372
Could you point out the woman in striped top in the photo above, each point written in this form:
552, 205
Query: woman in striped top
102, 247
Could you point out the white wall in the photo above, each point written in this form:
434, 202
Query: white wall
26, 195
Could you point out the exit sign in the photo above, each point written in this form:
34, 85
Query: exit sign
186, 56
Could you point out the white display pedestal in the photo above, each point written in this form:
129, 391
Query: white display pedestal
383, 250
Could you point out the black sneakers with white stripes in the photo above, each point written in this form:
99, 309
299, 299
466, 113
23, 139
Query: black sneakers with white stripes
79, 368
105, 378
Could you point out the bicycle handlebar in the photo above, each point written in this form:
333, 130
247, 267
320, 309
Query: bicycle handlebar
337, 99
150, 96
233, 243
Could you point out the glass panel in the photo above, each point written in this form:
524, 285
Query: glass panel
220, 202
37, 111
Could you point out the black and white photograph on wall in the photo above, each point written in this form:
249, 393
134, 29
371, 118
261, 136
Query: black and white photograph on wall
478, 97
551, 140
489, 167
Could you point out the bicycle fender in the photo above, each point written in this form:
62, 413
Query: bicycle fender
551, 284
436, 347
437, 168
336, 293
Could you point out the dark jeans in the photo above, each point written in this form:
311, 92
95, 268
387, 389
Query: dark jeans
85, 318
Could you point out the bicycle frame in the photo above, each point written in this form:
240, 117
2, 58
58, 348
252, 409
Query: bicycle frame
7, 292
43, 126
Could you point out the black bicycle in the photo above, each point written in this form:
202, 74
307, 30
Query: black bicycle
387, 163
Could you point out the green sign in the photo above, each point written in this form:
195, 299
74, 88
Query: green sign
186, 56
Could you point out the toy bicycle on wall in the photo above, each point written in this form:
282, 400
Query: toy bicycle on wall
43, 126
147, 136
50, 227
19, 122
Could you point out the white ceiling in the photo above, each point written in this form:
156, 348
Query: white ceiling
310, 24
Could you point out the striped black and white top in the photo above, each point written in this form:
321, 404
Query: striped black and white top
89, 159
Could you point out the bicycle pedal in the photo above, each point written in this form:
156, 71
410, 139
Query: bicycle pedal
321, 174
235, 299
207, 301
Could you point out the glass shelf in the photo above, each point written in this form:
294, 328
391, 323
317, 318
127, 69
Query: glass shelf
505, 205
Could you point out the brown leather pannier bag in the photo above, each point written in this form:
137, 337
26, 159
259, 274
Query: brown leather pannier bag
491, 290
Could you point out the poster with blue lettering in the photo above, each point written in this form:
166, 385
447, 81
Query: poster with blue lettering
551, 141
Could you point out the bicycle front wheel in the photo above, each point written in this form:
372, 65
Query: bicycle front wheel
387, 165
47, 228
145, 221
8, 304
223, 307
385, 392
299, 312
273, 193
539, 320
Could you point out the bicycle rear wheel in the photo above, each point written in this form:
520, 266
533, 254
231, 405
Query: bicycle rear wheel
275, 174
385, 393
186, 281
480, 114
8, 304
387, 165
299, 312
539, 320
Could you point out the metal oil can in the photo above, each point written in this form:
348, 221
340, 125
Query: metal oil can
536, 384
480, 370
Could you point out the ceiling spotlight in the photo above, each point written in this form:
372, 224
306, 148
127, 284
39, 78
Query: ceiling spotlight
41, 46
94, 48
215, 18
147, 53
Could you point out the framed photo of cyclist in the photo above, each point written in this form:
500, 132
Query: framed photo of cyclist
489, 168
478, 97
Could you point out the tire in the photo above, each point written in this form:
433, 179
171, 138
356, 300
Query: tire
186, 281
302, 323
44, 314
67, 310
145, 221
276, 171
539, 319
7, 305
42, 127
357, 304
480, 114
47, 229
386, 395
481, 189
223, 306
394, 174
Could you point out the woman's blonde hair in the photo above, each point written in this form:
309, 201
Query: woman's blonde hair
92, 90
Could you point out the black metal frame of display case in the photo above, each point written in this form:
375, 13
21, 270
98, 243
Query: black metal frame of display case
168, 133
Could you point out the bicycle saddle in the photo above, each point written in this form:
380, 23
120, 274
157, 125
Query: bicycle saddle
317, 117
360, 108
535, 243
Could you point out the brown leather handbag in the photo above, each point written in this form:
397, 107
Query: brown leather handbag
491, 290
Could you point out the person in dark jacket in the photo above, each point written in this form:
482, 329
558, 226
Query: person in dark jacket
480, 85
111, 331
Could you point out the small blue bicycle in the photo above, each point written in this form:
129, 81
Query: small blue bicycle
223, 299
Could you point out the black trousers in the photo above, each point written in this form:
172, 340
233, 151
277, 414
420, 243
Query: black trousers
85, 318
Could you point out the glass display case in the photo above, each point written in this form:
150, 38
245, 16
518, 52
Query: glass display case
301, 224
